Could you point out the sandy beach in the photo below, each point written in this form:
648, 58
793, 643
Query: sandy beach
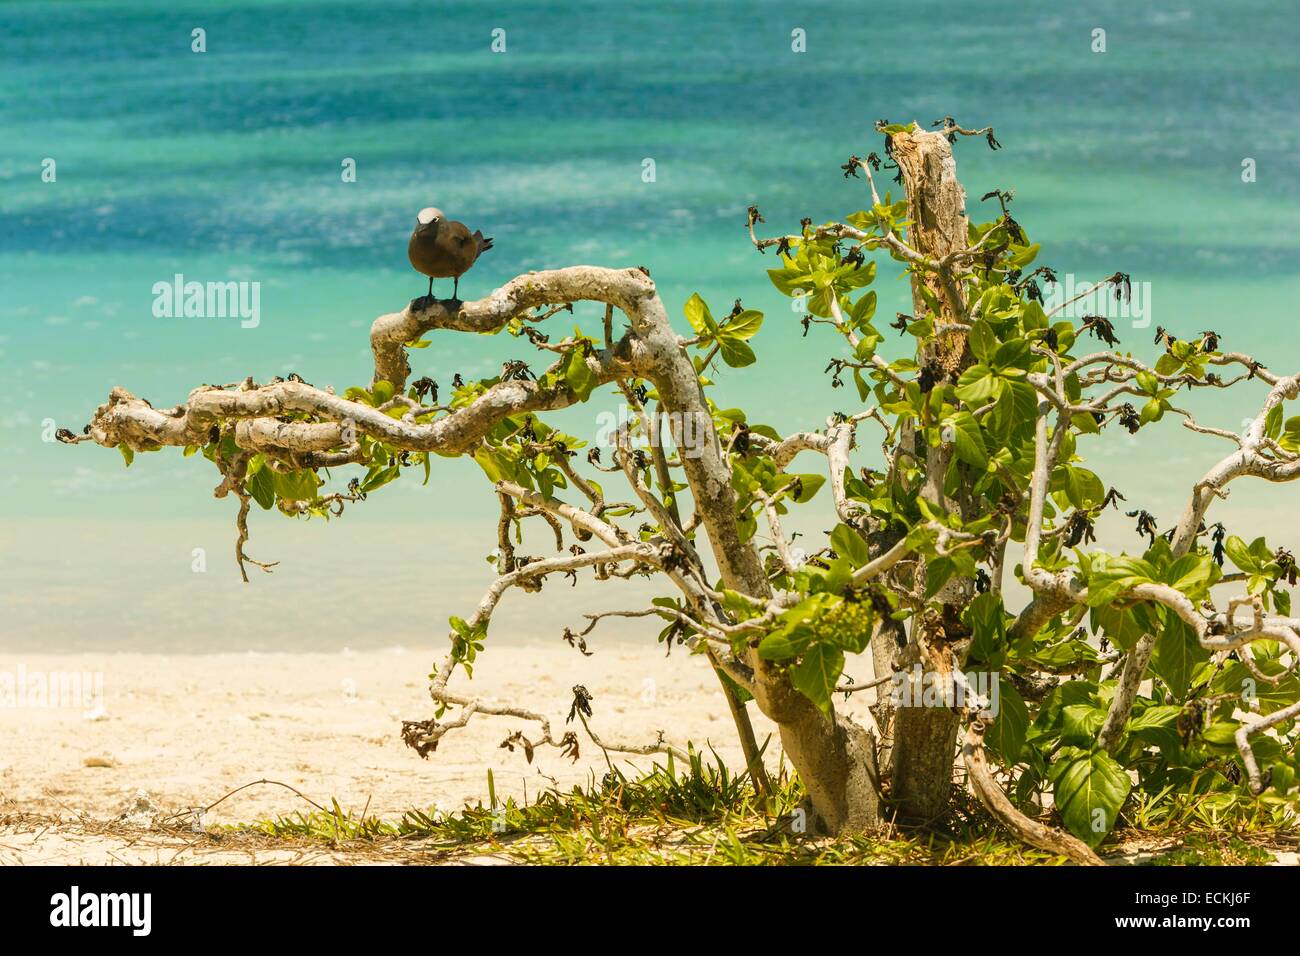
174, 732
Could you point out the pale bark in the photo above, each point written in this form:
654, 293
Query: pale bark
924, 739
1031, 831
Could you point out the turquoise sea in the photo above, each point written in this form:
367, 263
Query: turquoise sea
226, 165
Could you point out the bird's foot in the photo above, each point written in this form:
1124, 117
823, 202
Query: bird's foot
425, 302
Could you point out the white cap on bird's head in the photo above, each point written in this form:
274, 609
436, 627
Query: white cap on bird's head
429, 214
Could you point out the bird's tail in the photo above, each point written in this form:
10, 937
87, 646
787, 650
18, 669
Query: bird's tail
484, 242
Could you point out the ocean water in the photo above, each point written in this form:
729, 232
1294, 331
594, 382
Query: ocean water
225, 165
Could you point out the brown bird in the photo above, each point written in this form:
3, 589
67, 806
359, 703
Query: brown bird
443, 248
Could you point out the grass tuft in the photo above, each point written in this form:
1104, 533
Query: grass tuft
707, 815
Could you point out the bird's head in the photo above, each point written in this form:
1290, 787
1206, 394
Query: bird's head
428, 221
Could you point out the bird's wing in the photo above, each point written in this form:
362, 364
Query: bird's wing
457, 233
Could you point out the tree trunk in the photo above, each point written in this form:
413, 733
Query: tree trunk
834, 758
922, 741
837, 760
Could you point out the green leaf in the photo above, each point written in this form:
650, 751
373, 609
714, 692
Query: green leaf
1083, 488
1273, 422
795, 632
1283, 776
1016, 407
937, 573
1222, 734
864, 390
128, 455
295, 485
786, 643
816, 675
1123, 626
1011, 355
579, 377
382, 391
1240, 554
262, 487
1157, 725
1168, 364
1152, 411
987, 621
1006, 736
1193, 574
734, 351
849, 544
864, 309
493, 464
977, 385
1033, 316
1116, 576
698, 314
1080, 723
789, 281
1176, 654
1048, 721
744, 325
968, 439
1290, 440
1089, 789
983, 340
381, 478
809, 485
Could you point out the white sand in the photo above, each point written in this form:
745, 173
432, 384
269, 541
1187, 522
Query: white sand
187, 729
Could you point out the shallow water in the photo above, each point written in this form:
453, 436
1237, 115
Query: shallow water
226, 165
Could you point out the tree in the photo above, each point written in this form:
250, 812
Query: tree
980, 461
